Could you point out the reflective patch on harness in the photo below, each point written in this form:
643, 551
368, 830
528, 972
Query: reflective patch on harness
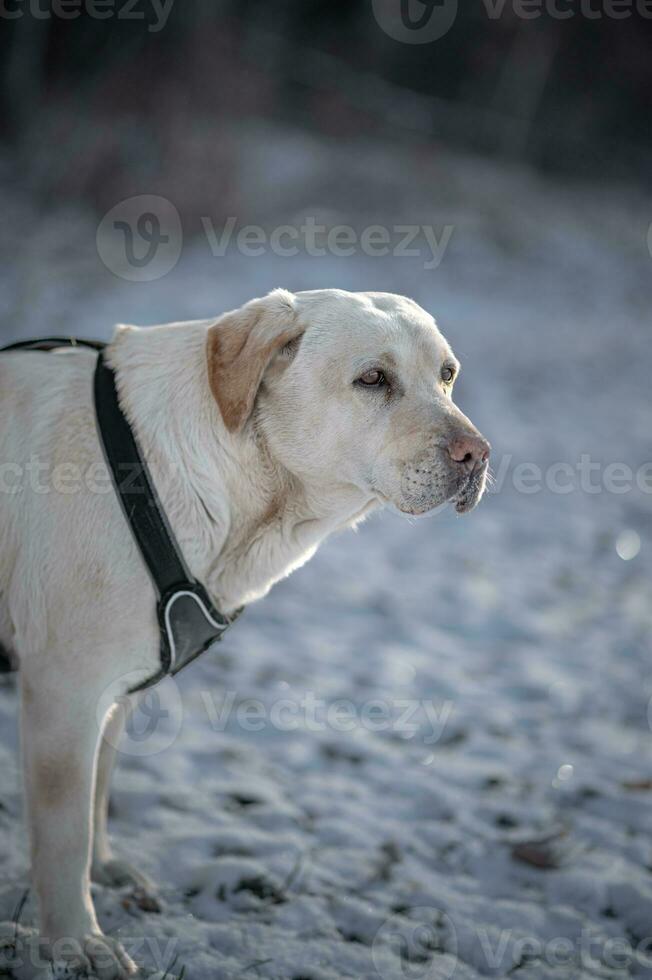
190, 627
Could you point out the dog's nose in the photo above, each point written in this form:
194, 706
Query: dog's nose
469, 450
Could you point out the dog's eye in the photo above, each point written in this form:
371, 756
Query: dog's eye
448, 375
372, 379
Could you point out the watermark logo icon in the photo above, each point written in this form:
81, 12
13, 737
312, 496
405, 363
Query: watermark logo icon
422, 19
150, 720
415, 21
140, 239
424, 942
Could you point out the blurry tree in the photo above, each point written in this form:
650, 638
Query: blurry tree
571, 94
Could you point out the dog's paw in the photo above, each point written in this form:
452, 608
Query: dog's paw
93, 956
119, 874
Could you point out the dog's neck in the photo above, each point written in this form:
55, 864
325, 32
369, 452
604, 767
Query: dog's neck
241, 519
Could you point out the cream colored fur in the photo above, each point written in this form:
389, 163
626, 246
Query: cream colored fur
295, 449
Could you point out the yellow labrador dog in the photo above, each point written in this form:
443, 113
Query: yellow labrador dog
265, 431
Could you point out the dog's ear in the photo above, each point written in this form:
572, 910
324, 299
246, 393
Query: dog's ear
241, 345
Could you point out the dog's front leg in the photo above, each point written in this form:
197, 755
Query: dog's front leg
59, 744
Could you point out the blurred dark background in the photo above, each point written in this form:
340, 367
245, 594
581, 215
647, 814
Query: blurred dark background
97, 108
523, 148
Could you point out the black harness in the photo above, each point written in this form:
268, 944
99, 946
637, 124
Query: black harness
189, 622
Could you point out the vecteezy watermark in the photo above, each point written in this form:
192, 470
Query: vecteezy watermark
157, 11
419, 944
422, 944
41, 476
567, 9
340, 241
415, 21
141, 238
20, 948
152, 720
410, 718
562, 477
423, 21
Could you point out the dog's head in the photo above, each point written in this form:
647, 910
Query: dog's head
350, 389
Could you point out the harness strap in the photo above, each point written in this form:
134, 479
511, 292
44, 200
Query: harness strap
135, 487
52, 343
189, 622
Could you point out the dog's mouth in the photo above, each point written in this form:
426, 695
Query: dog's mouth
463, 491
469, 494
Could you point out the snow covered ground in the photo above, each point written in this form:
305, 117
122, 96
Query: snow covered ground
427, 754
